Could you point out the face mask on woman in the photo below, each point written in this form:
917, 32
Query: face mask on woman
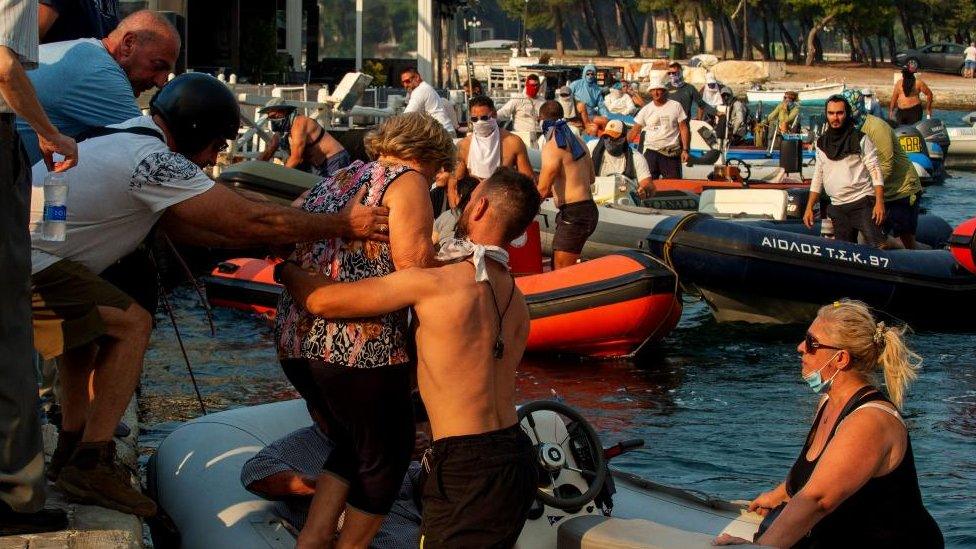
484, 128
816, 382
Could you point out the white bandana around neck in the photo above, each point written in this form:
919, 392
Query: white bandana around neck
459, 248
485, 154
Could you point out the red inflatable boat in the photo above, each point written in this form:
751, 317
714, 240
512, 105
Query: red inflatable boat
962, 243
607, 307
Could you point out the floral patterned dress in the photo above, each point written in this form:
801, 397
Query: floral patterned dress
358, 343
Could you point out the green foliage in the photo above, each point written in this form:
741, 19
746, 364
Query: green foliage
376, 70
539, 11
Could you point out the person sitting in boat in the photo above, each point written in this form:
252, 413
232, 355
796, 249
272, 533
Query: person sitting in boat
902, 187
473, 324
286, 472
357, 374
711, 92
786, 116
619, 102
612, 154
685, 94
854, 483
422, 97
567, 174
571, 112
524, 111
871, 105
309, 147
446, 222
587, 92
662, 127
906, 100
487, 147
737, 116
144, 171
847, 170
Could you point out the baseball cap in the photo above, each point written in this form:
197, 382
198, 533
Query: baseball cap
615, 128
276, 103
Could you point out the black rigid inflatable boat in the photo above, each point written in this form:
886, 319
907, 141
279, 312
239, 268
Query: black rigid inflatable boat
756, 272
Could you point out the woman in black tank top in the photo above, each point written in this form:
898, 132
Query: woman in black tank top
854, 483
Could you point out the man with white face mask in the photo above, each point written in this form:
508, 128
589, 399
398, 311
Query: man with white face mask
487, 147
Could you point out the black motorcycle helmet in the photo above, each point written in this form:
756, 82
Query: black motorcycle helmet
198, 109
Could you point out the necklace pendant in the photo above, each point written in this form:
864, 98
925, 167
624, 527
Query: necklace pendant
499, 348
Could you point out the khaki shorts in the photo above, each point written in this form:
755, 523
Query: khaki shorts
65, 298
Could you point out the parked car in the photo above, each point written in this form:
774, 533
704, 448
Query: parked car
941, 57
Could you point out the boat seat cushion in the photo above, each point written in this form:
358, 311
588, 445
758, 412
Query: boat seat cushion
599, 532
765, 203
268, 178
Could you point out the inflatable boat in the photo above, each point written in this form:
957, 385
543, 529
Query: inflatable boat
608, 307
211, 450
962, 243
758, 272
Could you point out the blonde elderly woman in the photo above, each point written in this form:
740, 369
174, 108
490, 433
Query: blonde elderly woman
357, 374
854, 483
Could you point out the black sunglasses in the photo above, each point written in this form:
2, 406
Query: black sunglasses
484, 118
810, 344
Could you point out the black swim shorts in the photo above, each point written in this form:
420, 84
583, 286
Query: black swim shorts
909, 116
575, 223
479, 490
849, 219
368, 414
901, 216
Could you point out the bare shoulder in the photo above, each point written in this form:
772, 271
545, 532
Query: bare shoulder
463, 145
872, 421
513, 140
406, 188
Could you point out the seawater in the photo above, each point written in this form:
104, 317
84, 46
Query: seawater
722, 407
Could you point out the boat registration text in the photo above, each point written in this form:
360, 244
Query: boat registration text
911, 143
829, 252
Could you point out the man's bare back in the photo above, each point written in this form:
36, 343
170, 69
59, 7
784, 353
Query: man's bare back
565, 179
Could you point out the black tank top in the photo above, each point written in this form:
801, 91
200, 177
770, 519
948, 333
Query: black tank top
886, 512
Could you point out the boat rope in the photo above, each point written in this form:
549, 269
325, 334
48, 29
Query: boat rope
675, 299
669, 242
179, 339
194, 282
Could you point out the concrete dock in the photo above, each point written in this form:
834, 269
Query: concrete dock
89, 526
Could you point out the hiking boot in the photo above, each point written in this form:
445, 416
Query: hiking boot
91, 476
13, 523
67, 441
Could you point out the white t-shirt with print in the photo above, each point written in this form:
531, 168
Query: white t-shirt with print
660, 124
122, 185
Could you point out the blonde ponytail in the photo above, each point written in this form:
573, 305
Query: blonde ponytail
872, 345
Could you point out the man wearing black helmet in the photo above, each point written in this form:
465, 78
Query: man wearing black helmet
142, 171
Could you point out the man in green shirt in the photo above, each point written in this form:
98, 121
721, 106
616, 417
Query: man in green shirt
785, 115
902, 187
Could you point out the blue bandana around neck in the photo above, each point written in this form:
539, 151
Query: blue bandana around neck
564, 137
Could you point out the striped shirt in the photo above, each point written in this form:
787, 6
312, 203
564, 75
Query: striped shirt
18, 32
304, 451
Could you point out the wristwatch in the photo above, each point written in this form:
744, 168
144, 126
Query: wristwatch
276, 273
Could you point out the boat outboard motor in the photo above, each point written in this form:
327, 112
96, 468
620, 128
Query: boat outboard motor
915, 146
198, 109
936, 141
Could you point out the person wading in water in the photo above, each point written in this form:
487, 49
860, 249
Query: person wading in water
906, 99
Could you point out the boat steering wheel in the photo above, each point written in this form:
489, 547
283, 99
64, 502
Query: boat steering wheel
744, 169
581, 442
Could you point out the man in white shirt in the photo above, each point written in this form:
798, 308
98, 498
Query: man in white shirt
523, 111
144, 170
612, 155
969, 65
422, 97
666, 138
847, 170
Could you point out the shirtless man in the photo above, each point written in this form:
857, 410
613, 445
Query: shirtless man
472, 324
487, 147
567, 173
905, 97
309, 147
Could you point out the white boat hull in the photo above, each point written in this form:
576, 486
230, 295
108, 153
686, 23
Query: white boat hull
811, 94
962, 148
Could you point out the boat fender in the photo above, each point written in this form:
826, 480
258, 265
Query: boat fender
962, 243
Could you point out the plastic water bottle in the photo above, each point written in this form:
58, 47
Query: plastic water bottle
55, 207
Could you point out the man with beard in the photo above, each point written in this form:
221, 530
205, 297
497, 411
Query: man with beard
472, 325
567, 174
906, 97
524, 110
309, 147
612, 155
487, 148
847, 170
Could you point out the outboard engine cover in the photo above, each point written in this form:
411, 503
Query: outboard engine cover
934, 131
911, 139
